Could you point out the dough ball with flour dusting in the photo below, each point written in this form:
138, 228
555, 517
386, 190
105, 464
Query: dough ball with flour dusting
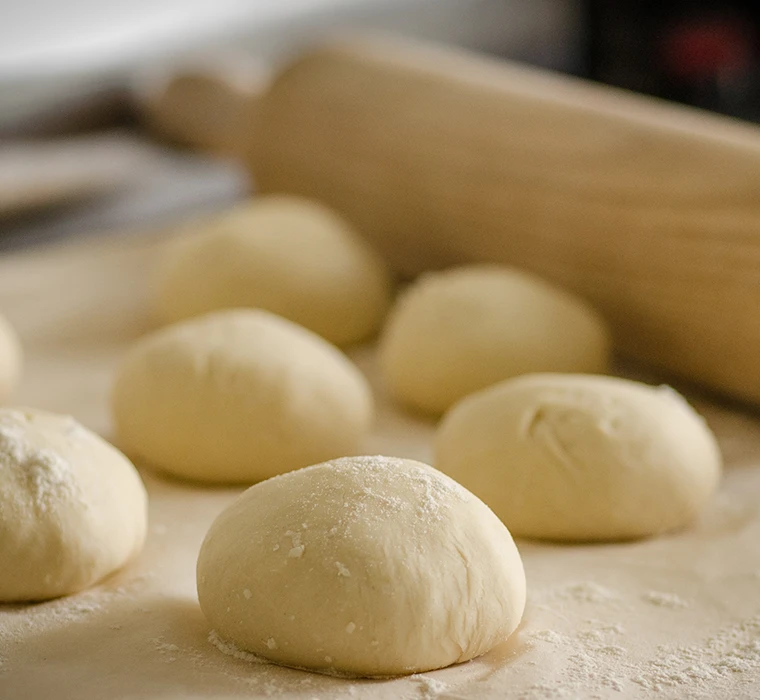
286, 254
460, 330
72, 508
572, 457
363, 566
10, 360
239, 396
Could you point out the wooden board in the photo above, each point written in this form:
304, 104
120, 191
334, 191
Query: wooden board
648, 209
673, 617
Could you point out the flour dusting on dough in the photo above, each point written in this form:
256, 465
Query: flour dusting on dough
48, 476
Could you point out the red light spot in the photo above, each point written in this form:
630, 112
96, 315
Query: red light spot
705, 48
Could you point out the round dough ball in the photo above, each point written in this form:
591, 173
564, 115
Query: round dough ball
10, 360
72, 508
363, 566
568, 457
239, 396
461, 330
291, 256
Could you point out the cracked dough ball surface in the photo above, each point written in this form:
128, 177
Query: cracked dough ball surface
569, 457
364, 566
239, 396
458, 331
72, 508
10, 360
285, 254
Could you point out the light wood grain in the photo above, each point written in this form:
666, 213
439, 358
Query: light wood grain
651, 211
208, 104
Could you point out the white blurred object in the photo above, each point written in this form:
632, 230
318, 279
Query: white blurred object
62, 182
56, 56
39, 174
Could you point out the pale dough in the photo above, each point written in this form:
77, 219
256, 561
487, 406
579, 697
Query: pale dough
10, 360
461, 330
72, 508
569, 457
285, 254
598, 622
366, 566
239, 396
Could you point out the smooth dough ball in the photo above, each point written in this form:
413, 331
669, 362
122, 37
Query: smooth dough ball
461, 330
568, 457
239, 396
10, 360
72, 508
363, 566
291, 256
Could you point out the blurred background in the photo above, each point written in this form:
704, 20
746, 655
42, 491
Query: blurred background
102, 101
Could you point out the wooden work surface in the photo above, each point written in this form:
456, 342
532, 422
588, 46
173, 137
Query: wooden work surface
672, 617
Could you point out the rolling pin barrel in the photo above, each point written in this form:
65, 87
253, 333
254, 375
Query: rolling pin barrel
649, 210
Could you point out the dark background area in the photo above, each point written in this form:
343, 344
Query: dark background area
699, 53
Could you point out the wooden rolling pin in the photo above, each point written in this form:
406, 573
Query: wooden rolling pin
206, 102
649, 210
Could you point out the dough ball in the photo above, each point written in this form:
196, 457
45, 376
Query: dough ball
291, 256
10, 360
364, 566
568, 457
72, 508
239, 396
461, 330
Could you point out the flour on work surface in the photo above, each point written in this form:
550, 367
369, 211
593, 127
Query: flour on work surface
34, 619
430, 688
599, 662
594, 661
704, 669
230, 649
579, 592
269, 680
74, 607
168, 650
665, 600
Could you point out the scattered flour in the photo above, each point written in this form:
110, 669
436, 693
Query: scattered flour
166, 649
297, 548
579, 592
549, 636
230, 649
430, 688
74, 607
27, 620
592, 664
597, 661
589, 592
49, 477
665, 600
703, 670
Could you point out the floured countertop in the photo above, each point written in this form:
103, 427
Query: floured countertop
672, 617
